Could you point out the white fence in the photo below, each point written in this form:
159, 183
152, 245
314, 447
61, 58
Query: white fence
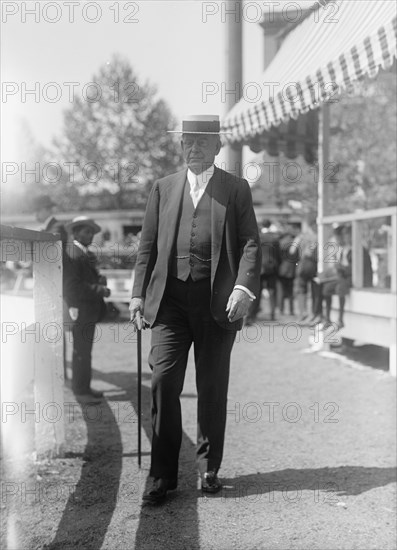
370, 313
32, 347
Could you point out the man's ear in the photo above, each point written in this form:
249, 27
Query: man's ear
218, 146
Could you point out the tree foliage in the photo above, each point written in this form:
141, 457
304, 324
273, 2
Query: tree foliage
363, 145
361, 173
115, 141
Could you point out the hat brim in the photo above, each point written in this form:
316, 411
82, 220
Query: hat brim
205, 133
192, 132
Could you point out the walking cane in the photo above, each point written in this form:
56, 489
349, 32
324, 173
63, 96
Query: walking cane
139, 363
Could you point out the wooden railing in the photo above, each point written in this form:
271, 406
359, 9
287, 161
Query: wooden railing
32, 345
370, 314
355, 218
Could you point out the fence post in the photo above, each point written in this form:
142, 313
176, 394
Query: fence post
357, 255
48, 360
34, 351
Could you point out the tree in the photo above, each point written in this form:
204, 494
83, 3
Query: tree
363, 145
361, 173
115, 141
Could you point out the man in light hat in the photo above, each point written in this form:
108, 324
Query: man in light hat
84, 290
196, 273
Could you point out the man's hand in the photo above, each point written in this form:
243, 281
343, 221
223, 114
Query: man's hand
237, 305
74, 313
136, 313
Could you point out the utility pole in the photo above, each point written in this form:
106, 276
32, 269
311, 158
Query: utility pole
234, 74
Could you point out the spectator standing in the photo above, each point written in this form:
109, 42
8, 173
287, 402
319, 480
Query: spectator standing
287, 269
342, 283
84, 290
306, 247
271, 259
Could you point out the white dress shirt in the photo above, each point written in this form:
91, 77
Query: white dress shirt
198, 183
81, 246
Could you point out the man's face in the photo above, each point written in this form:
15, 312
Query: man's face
200, 150
84, 235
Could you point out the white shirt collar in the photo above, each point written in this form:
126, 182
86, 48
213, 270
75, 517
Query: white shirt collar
81, 246
202, 179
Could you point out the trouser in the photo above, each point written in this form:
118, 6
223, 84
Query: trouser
83, 339
287, 292
269, 282
184, 318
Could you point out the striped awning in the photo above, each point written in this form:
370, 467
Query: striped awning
332, 48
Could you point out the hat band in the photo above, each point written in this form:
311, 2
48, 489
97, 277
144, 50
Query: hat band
192, 126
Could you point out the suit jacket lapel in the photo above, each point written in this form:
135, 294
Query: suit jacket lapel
174, 205
220, 192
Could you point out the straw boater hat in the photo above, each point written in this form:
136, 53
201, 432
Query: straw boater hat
199, 124
81, 221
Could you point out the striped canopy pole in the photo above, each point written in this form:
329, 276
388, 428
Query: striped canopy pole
322, 185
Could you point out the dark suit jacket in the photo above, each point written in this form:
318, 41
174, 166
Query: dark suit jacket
81, 285
235, 246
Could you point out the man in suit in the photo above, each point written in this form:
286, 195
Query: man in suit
196, 273
84, 290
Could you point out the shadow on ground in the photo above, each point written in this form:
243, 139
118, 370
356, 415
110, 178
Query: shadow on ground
93, 499
162, 526
327, 484
369, 355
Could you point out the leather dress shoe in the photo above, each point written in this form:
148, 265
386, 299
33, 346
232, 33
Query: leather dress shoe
210, 483
158, 492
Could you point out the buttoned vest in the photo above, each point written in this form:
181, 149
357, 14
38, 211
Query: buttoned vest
192, 251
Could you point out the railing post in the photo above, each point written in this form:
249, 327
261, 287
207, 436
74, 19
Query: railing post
393, 253
35, 348
48, 360
322, 191
357, 255
393, 287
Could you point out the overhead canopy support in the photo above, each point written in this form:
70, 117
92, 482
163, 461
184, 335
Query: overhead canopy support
332, 48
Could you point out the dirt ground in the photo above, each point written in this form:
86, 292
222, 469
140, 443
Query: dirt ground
309, 459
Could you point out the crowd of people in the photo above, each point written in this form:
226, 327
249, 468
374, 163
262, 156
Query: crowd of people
289, 273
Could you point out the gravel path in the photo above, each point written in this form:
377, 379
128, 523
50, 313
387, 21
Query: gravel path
309, 459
